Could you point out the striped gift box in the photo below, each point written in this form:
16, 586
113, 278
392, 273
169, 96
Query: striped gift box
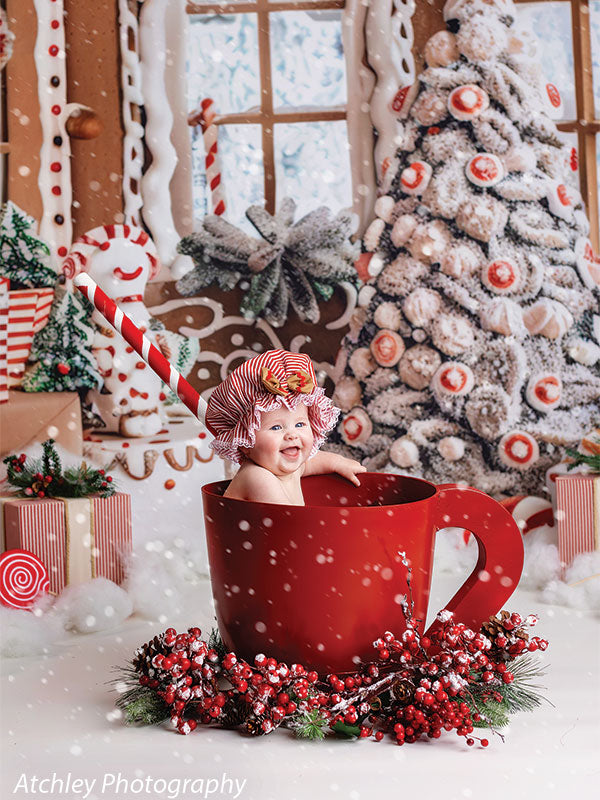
577, 515
76, 539
28, 312
4, 285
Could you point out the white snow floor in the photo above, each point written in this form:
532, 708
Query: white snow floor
58, 719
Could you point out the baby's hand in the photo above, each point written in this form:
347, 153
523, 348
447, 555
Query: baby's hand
348, 468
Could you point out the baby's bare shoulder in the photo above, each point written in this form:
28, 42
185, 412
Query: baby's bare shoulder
253, 482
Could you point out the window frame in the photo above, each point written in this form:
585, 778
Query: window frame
587, 125
266, 116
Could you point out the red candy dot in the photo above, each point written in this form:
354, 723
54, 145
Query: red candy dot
55, 110
62, 251
202, 436
169, 484
55, 166
54, 24
53, 50
56, 190
104, 245
125, 444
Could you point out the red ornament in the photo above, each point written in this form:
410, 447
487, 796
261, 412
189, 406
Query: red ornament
64, 369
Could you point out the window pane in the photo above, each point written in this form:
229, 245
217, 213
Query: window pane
240, 156
312, 165
595, 31
307, 60
223, 62
551, 23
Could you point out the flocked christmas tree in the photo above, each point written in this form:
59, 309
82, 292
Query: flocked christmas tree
24, 257
474, 353
61, 350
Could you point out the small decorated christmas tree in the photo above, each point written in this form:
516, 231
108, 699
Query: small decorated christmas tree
24, 257
62, 349
475, 354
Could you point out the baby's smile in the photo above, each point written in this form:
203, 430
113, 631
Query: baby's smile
291, 452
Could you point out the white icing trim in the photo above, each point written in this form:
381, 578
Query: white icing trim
156, 209
53, 97
351, 300
131, 96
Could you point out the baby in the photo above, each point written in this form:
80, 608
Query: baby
270, 416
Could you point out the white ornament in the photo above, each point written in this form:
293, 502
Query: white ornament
453, 379
544, 391
518, 449
485, 169
373, 235
384, 207
415, 178
451, 448
387, 315
467, 102
584, 351
588, 263
421, 306
387, 348
403, 229
504, 316
356, 427
548, 318
404, 453
520, 159
561, 199
365, 296
501, 276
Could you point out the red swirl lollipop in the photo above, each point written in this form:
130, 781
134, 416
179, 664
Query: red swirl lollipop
453, 378
415, 178
501, 276
467, 102
553, 101
485, 169
518, 449
23, 578
544, 391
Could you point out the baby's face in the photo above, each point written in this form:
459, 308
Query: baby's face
284, 440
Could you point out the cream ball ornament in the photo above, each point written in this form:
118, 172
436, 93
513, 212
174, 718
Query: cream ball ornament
404, 453
421, 306
451, 448
347, 393
388, 315
441, 50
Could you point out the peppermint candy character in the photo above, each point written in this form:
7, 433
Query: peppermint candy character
467, 102
501, 276
415, 178
544, 391
485, 169
588, 263
23, 577
518, 449
356, 426
453, 378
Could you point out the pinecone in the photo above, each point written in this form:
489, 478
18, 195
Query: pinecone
252, 727
403, 692
495, 627
142, 662
236, 714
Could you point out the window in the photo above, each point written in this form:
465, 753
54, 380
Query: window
276, 73
569, 33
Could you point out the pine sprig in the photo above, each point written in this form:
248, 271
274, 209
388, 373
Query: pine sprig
309, 725
592, 460
45, 477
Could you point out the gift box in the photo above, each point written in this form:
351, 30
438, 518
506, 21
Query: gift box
577, 514
28, 312
3, 340
30, 418
76, 539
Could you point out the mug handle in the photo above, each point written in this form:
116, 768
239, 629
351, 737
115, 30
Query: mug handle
501, 554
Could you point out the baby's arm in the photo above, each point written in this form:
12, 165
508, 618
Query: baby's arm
255, 483
323, 462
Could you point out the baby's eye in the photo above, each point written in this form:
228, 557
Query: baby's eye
302, 424
275, 427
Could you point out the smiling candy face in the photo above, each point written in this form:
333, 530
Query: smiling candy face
121, 267
284, 441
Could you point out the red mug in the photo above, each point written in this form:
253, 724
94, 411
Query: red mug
316, 584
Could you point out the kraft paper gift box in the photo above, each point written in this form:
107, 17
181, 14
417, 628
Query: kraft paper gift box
577, 514
76, 539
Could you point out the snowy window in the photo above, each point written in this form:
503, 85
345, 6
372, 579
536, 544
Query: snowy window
569, 35
276, 74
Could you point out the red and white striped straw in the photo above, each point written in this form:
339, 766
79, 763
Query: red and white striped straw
142, 346
205, 117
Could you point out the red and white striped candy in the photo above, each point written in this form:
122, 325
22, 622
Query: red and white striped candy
529, 512
467, 102
485, 169
560, 200
205, 117
501, 276
387, 348
142, 346
544, 391
453, 378
415, 178
23, 578
588, 263
518, 449
356, 426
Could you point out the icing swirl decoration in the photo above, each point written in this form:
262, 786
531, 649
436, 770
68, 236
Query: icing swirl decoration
356, 427
23, 577
387, 348
501, 276
467, 102
544, 392
415, 178
485, 169
453, 379
518, 449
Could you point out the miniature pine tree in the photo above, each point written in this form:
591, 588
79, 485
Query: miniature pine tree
24, 257
62, 349
474, 354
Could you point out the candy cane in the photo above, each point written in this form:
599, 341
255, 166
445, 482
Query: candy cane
205, 117
142, 346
